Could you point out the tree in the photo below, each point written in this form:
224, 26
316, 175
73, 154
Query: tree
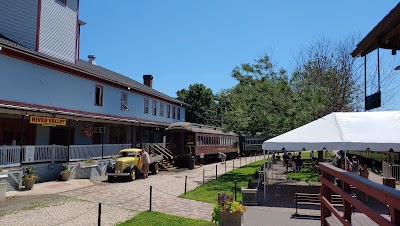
326, 80
260, 102
202, 108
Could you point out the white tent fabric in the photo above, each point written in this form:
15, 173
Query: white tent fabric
378, 131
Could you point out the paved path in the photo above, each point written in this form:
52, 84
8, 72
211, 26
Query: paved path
167, 186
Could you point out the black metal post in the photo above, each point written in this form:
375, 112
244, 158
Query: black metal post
102, 143
233, 163
225, 166
99, 218
22, 130
203, 174
151, 194
216, 171
240, 161
22, 137
69, 137
185, 184
235, 190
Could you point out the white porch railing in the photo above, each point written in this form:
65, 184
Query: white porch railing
385, 169
10, 156
80, 152
391, 170
48, 153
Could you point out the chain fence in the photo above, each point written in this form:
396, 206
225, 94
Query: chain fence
140, 198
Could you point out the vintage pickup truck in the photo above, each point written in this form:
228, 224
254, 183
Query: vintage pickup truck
129, 165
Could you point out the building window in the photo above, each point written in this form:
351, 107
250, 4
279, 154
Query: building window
99, 96
63, 1
168, 111
124, 101
154, 107
161, 109
179, 114
173, 112
146, 105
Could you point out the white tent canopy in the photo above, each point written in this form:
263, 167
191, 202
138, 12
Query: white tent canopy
378, 131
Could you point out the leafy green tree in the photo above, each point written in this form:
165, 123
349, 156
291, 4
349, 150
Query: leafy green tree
260, 102
202, 106
326, 80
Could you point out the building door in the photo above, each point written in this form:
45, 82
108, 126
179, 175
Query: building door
59, 136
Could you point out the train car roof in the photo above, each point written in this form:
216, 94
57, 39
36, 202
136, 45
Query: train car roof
198, 128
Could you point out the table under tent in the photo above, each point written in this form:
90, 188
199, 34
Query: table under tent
348, 131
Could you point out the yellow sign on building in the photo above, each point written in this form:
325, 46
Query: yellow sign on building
48, 121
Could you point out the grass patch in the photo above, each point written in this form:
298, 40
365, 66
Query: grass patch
306, 174
208, 192
153, 218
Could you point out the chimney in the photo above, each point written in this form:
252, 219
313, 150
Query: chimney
91, 59
148, 80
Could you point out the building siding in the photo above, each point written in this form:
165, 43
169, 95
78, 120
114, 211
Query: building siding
58, 23
43, 86
18, 21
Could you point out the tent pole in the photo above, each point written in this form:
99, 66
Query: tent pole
268, 169
265, 192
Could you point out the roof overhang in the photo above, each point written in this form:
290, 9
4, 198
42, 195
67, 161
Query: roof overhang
385, 35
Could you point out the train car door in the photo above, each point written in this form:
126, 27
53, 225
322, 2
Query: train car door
190, 144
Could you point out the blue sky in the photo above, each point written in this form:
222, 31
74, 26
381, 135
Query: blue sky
186, 42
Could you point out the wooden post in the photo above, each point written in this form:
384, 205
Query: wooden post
395, 216
346, 204
325, 192
216, 171
69, 137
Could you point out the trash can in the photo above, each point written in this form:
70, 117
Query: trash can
390, 182
3, 189
192, 159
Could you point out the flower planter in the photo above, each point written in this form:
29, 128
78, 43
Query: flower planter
29, 184
231, 219
87, 165
65, 175
4, 174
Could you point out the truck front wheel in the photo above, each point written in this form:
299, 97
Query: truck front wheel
132, 175
154, 168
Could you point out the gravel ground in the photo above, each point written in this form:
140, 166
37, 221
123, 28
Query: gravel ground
58, 210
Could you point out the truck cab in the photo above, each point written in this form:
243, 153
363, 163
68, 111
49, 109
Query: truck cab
129, 165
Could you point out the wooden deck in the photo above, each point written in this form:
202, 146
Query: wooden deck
356, 220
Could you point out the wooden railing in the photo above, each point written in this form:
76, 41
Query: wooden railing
385, 194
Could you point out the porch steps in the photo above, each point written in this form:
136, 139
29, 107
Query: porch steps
167, 166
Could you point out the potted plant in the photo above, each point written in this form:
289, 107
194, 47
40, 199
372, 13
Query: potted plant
228, 212
88, 162
65, 172
29, 178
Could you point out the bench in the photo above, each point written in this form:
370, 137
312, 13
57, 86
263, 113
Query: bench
313, 199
